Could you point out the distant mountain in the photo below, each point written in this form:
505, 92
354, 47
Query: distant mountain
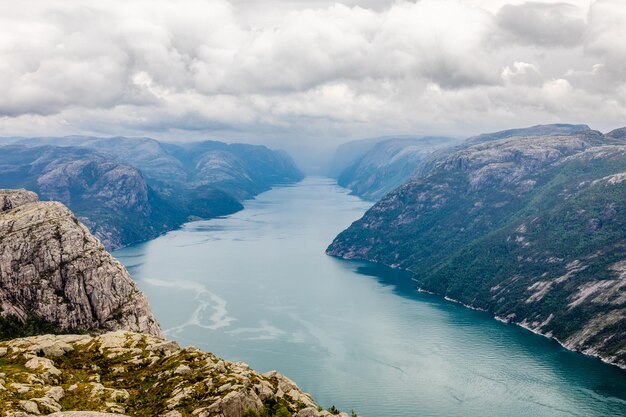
618, 133
539, 130
529, 228
347, 153
373, 167
128, 190
240, 170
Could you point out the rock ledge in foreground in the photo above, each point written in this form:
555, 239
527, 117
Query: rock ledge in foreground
135, 374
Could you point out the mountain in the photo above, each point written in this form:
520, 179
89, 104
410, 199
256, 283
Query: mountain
128, 190
240, 170
387, 164
347, 153
529, 228
138, 375
55, 276
538, 130
112, 198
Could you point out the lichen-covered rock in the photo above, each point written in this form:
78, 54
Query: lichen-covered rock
87, 381
10, 199
53, 268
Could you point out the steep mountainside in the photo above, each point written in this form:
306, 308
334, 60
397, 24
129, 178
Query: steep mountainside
146, 154
128, 190
347, 153
239, 169
54, 275
530, 228
388, 164
112, 198
138, 375
540, 130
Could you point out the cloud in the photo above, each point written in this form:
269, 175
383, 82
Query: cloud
522, 73
543, 24
308, 70
606, 36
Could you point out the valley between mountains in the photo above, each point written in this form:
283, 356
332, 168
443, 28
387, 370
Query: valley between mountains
524, 224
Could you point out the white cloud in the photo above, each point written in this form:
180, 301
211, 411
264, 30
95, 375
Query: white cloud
521, 73
313, 70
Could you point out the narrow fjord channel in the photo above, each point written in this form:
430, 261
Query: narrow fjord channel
257, 287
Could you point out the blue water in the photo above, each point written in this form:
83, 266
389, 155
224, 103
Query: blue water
257, 287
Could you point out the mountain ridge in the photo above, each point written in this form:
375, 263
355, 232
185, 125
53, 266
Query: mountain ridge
528, 228
371, 168
128, 190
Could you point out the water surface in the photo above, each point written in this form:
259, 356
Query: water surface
257, 287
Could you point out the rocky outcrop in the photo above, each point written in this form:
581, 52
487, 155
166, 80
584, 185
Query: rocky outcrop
10, 199
137, 375
53, 268
558, 129
529, 228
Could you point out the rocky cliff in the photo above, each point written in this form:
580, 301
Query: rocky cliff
138, 375
529, 228
53, 269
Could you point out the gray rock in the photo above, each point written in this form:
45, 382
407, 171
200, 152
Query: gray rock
226, 390
51, 266
10, 199
84, 414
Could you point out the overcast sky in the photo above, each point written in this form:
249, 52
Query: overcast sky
308, 72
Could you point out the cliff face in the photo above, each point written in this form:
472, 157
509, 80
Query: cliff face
529, 228
138, 375
52, 267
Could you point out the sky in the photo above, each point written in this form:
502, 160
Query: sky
308, 74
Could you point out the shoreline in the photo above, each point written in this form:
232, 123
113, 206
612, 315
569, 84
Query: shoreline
496, 317
525, 327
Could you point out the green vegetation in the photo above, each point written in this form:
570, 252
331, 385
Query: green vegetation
519, 252
12, 327
271, 410
133, 376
